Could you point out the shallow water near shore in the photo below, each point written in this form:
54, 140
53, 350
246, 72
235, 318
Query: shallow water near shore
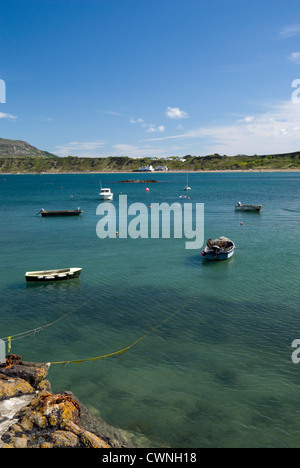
219, 372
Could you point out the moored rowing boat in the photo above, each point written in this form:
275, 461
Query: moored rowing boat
46, 213
219, 249
240, 207
53, 275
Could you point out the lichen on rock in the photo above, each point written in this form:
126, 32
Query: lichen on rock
42, 419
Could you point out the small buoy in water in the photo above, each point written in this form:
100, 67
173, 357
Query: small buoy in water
242, 224
147, 190
117, 233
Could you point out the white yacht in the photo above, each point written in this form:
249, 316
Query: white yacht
106, 194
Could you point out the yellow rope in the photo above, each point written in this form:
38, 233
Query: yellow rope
79, 361
21, 335
9, 344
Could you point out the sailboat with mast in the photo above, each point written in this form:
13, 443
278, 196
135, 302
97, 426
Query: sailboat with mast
187, 183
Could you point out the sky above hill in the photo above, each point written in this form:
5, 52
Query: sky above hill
151, 77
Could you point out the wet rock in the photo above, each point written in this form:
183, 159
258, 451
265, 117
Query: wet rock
52, 420
14, 387
32, 417
32, 373
8, 410
20, 442
63, 439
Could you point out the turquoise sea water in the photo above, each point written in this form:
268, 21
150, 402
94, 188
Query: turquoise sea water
219, 373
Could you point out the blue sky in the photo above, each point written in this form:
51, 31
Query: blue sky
151, 77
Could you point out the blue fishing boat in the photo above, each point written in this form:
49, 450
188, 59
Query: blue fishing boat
219, 249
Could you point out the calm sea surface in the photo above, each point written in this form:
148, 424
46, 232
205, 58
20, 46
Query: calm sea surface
219, 372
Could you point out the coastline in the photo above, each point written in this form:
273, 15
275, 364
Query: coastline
153, 173
33, 417
157, 385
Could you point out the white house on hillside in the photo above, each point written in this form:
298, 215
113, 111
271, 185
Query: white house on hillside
146, 168
161, 168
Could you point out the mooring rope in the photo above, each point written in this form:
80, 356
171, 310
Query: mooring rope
97, 358
27, 333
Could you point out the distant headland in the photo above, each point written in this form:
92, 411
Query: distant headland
19, 157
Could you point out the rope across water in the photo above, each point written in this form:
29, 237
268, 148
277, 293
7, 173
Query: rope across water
27, 333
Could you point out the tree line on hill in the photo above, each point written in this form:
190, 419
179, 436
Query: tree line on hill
55, 164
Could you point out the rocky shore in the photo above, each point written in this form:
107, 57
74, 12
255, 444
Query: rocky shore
31, 416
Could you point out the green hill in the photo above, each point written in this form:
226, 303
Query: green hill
18, 148
19, 157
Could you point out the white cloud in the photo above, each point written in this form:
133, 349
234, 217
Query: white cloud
7, 116
123, 149
248, 119
276, 130
290, 31
116, 114
176, 113
149, 128
134, 121
82, 149
295, 57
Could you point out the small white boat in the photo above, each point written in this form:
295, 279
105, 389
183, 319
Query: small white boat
53, 275
105, 193
187, 183
240, 207
219, 249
